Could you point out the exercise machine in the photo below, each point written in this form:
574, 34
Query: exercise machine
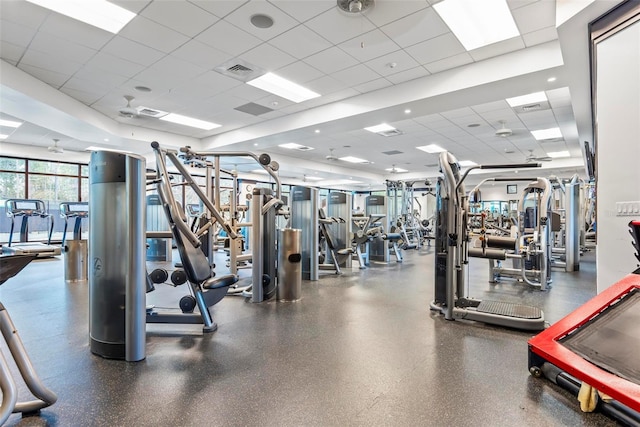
593, 351
24, 209
339, 208
305, 217
451, 252
75, 212
10, 265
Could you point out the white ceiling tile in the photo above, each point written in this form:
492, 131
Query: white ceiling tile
336, 27
541, 36
10, 51
356, 75
303, 10
177, 67
223, 101
491, 106
392, 63
107, 62
61, 48
75, 31
535, 16
219, 8
384, 12
134, 6
52, 78
86, 98
407, 75
182, 16
449, 63
132, 51
299, 72
331, 60
497, 49
436, 48
201, 54
16, 34
369, 45
248, 92
418, 27
95, 80
241, 18
49, 62
152, 34
204, 85
267, 57
228, 38
25, 13
300, 42
373, 85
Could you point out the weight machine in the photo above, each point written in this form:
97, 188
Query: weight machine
451, 244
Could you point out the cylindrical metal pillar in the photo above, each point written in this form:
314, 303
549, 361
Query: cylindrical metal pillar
75, 260
117, 255
571, 224
289, 265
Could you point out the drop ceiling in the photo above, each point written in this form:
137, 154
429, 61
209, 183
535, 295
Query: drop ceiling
397, 63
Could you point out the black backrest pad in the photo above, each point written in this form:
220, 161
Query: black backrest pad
195, 263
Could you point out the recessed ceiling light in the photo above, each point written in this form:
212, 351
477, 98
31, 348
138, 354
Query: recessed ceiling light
558, 154
10, 123
431, 148
99, 13
383, 127
142, 89
189, 121
551, 79
407, 111
530, 98
3, 136
467, 163
283, 87
352, 159
317, 131
106, 140
314, 178
95, 148
546, 133
260, 20
255, 144
478, 23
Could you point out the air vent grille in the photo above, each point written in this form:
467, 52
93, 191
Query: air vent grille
394, 132
150, 112
239, 70
392, 152
253, 109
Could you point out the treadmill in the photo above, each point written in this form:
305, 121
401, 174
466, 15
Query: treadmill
598, 344
24, 209
75, 212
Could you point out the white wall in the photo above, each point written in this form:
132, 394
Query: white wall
618, 150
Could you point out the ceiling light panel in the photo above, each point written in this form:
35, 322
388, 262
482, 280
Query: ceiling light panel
467, 163
10, 123
189, 121
478, 23
282, 87
352, 159
99, 13
313, 178
383, 127
558, 154
431, 148
399, 170
543, 134
3, 136
531, 98
294, 146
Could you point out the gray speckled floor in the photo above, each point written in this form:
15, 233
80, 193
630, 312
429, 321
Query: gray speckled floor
359, 349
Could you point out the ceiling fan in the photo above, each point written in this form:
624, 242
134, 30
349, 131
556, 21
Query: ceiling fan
128, 111
331, 156
533, 158
55, 148
504, 131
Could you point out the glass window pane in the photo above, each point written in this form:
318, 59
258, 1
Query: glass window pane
84, 170
53, 189
11, 186
9, 164
53, 167
84, 189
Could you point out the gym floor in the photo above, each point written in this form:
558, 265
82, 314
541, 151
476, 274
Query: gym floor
357, 349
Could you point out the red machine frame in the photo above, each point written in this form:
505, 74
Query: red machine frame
546, 346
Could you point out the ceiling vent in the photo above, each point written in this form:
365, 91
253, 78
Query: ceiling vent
528, 108
354, 6
394, 132
150, 112
392, 152
239, 70
253, 109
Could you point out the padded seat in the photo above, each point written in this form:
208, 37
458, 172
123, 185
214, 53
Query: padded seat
220, 282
